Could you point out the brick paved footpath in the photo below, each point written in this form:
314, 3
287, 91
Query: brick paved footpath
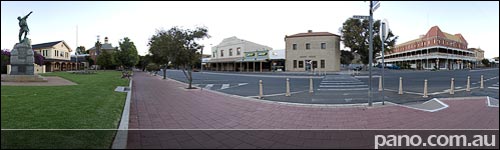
166, 104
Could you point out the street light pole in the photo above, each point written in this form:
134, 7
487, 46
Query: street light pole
370, 59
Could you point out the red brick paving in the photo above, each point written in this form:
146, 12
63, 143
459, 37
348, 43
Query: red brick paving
164, 104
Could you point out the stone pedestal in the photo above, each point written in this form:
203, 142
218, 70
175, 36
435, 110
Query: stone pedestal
23, 78
22, 59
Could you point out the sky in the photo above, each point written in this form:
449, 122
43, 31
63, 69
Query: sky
263, 22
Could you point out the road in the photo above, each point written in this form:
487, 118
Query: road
338, 88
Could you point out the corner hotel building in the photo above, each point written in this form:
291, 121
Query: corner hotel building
436, 49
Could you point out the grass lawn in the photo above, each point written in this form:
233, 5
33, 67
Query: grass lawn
92, 104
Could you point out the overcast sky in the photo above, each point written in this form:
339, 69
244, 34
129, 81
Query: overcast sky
265, 23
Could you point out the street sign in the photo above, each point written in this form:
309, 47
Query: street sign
384, 30
361, 17
375, 5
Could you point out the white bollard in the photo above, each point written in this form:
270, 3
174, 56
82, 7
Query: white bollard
380, 83
287, 87
452, 87
468, 84
425, 88
482, 82
310, 85
400, 86
260, 90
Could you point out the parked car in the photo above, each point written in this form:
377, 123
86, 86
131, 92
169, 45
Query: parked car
395, 67
356, 67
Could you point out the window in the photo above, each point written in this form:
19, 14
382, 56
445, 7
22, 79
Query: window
55, 54
294, 63
294, 46
323, 45
322, 63
221, 53
213, 54
230, 52
301, 64
308, 46
238, 51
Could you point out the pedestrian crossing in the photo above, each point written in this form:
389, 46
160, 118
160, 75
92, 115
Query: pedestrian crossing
219, 86
494, 86
341, 83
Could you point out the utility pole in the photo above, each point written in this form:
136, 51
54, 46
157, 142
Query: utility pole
370, 59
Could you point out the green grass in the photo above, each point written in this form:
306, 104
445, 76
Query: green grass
92, 104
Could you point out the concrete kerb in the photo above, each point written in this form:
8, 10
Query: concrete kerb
120, 141
266, 76
360, 105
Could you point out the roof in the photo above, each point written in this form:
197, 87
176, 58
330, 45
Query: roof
436, 32
105, 46
44, 45
311, 34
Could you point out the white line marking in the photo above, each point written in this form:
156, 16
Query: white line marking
241, 84
340, 81
209, 86
493, 88
224, 86
341, 86
344, 83
353, 89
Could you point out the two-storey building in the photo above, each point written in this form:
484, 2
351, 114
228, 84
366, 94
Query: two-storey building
312, 51
57, 56
434, 50
234, 54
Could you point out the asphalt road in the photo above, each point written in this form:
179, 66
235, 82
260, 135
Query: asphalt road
339, 88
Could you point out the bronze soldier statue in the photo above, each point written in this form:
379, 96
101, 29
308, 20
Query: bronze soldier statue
24, 26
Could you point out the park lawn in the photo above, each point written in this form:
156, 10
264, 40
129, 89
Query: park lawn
92, 104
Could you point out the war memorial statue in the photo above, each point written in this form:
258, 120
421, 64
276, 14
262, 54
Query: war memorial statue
22, 57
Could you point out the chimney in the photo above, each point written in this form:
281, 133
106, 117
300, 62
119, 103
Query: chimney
309, 31
105, 40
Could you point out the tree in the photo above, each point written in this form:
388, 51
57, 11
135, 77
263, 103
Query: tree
127, 55
5, 58
486, 62
346, 57
355, 35
143, 61
179, 47
105, 59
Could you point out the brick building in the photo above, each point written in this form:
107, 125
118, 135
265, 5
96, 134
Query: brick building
434, 50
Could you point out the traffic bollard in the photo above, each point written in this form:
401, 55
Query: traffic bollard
482, 82
310, 85
468, 84
380, 83
400, 86
425, 88
452, 87
287, 87
260, 90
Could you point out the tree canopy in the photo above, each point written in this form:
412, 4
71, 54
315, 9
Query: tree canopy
127, 55
179, 47
355, 35
105, 59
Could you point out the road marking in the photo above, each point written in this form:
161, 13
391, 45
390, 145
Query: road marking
209, 86
344, 83
340, 81
224, 86
353, 89
341, 86
241, 84
482, 70
493, 88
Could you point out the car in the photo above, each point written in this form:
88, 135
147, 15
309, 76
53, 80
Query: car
395, 67
355, 67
